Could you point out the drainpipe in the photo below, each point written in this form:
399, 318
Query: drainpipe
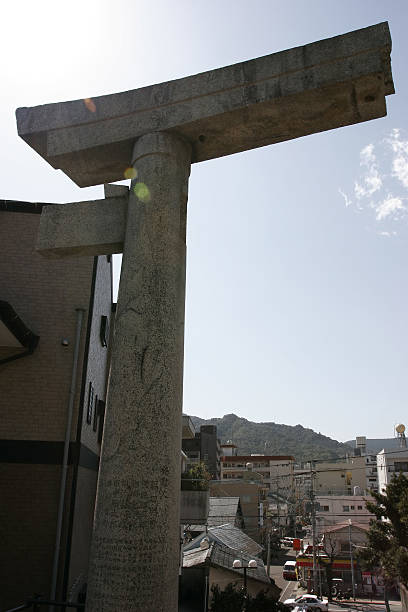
71, 397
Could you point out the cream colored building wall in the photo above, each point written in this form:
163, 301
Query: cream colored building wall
340, 477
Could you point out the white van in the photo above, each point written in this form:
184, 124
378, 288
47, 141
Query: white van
289, 570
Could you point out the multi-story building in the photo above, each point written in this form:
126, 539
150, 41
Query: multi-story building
54, 357
277, 471
251, 495
370, 463
333, 509
205, 447
389, 464
340, 477
228, 449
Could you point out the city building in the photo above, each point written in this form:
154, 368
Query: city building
228, 449
334, 509
56, 317
277, 471
370, 462
251, 495
203, 447
389, 464
341, 477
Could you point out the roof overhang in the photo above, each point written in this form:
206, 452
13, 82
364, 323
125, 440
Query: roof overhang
16, 340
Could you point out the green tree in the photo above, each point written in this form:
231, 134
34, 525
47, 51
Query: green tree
387, 547
232, 599
196, 478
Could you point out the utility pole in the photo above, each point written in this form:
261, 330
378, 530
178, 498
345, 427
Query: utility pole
268, 555
277, 501
313, 509
352, 562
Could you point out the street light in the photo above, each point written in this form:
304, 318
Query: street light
237, 564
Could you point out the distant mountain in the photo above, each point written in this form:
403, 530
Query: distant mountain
375, 445
275, 439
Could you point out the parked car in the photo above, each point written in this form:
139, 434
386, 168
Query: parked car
309, 601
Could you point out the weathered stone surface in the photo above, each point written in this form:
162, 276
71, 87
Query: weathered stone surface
328, 84
135, 550
323, 85
94, 227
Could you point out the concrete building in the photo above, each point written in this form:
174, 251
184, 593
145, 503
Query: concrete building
251, 496
41, 383
334, 509
370, 462
340, 477
205, 447
229, 449
390, 464
277, 470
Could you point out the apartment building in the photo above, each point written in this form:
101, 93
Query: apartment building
205, 447
389, 464
250, 493
334, 509
54, 359
370, 462
277, 471
341, 477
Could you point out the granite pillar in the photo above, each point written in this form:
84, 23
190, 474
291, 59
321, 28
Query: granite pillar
135, 550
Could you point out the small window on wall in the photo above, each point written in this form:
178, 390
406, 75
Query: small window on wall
104, 331
346, 509
90, 407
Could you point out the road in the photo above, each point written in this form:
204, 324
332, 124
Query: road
290, 588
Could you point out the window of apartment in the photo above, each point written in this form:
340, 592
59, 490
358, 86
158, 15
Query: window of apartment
372, 480
352, 507
345, 546
346, 509
324, 508
401, 466
359, 507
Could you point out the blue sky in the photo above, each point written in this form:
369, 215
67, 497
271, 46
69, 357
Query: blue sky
296, 283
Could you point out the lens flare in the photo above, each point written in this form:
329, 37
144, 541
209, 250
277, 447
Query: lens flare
90, 104
142, 192
130, 173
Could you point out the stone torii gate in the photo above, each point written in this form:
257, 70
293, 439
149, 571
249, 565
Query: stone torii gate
152, 135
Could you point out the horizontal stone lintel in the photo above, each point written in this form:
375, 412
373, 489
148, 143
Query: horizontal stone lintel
320, 86
83, 228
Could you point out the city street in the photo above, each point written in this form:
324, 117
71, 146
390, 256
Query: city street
290, 589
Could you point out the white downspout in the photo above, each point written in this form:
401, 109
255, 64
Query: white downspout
71, 398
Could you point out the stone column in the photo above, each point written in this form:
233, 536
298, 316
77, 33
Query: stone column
135, 549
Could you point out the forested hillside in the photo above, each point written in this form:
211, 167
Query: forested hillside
275, 438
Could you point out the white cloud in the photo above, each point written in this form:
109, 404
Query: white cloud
388, 206
347, 200
381, 184
400, 157
387, 234
371, 181
367, 156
